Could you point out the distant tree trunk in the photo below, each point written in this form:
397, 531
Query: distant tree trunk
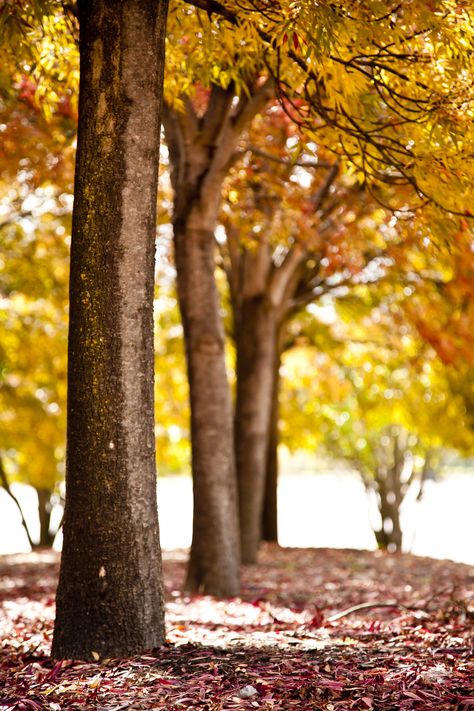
214, 561
393, 477
261, 293
45, 509
110, 599
202, 149
256, 342
270, 504
389, 535
267, 288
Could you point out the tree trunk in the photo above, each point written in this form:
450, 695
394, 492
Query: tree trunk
109, 599
256, 353
202, 149
45, 508
270, 504
214, 561
389, 536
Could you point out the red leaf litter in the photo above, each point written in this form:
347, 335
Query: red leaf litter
334, 630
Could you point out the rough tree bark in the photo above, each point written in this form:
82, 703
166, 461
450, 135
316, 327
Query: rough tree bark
201, 151
109, 599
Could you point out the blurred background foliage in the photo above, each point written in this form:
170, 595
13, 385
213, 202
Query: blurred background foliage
377, 344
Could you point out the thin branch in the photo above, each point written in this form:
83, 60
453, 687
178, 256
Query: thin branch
282, 161
175, 143
215, 119
372, 605
318, 199
234, 269
212, 7
6, 485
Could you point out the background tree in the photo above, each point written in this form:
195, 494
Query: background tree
34, 335
438, 300
202, 135
172, 429
35, 186
322, 87
384, 406
294, 230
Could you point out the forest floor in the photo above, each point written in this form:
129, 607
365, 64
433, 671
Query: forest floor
291, 641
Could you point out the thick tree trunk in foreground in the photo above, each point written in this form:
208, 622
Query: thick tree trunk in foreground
109, 599
256, 352
214, 562
270, 504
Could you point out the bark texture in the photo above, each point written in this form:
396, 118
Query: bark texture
109, 599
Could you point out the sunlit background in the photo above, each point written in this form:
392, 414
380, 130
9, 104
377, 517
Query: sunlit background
327, 508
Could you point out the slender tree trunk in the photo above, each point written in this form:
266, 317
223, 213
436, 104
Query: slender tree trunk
270, 504
109, 599
214, 561
45, 508
256, 353
202, 149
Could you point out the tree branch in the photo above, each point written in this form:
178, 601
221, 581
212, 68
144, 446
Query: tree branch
212, 7
175, 143
6, 485
217, 112
319, 198
282, 161
281, 276
248, 107
371, 605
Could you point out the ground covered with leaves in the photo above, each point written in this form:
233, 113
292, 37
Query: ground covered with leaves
313, 629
